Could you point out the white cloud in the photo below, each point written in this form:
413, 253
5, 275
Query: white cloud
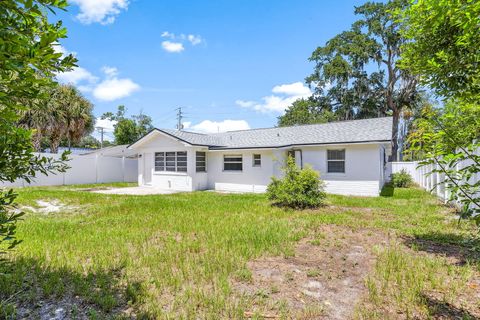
245, 104
110, 71
100, 11
106, 124
208, 126
110, 88
61, 49
172, 46
76, 75
292, 89
284, 96
108, 128
194, 40
113, 88
178, 41
166, 34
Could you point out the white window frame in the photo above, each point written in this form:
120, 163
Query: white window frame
233, 156
164, 166
344, 160
253, 160
196, 161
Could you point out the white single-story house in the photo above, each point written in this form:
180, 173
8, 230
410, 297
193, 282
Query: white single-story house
351, 157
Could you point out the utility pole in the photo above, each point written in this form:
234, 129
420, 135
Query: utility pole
179, 118
101, 136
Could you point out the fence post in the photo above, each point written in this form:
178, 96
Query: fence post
96, 168
123, 168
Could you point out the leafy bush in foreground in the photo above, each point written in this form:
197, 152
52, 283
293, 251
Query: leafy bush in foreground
299, 188
402, 179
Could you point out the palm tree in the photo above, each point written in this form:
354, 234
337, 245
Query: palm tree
36, 118
73, 116
67, 114
79, 118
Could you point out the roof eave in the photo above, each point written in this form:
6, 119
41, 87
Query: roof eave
299, 145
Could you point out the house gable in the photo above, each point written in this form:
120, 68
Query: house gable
158, 139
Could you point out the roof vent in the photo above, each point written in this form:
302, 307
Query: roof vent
230, 137
278, 134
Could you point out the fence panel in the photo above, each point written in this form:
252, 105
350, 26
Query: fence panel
82, 170
433, 183
86, 169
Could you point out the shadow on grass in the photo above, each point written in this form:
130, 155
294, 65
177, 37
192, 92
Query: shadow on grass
459, 248
443, 310
30, 290
387, 191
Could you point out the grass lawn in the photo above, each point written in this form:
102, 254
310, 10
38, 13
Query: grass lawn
201, 255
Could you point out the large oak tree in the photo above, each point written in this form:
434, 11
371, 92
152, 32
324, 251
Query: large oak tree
357, 74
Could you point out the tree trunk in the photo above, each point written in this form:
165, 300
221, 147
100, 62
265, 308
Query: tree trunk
37, 141
55, 138
396, 118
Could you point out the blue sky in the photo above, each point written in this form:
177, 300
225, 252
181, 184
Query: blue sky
238, 60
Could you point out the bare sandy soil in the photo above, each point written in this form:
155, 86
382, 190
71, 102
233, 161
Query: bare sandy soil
135, 191
324, 279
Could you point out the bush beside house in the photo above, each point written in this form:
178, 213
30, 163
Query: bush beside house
402, 179
298, 189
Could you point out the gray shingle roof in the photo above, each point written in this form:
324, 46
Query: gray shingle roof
354, 131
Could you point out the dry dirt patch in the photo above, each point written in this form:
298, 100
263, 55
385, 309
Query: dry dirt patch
325, 277
49, 206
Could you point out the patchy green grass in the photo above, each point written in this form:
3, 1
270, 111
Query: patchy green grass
173, 256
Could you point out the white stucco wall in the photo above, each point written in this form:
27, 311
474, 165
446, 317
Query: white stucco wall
364, 171
182, 181
251, 179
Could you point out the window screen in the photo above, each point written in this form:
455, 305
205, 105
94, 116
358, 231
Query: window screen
336, 161
201, 161
257, 160
233, 163
171, 161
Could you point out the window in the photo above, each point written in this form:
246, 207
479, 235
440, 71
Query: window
201, 161
233, 162
336, 161
257, 160
171, 161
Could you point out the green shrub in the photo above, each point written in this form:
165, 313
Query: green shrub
298, 189
402, 179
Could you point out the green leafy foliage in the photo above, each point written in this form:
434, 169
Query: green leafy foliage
298, 189
129, 130
447, 140
28, 61
356, 73
66, 116
305, 111
443, 46
402, 179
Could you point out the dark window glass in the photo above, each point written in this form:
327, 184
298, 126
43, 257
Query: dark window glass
257, 160
233, 163
201, 161
159, 161
233, 166
336, 161
171, 161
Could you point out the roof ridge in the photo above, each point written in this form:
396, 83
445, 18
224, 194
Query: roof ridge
199, 133
302, 125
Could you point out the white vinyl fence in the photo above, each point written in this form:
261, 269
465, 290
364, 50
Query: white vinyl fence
84, 169
430, 182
